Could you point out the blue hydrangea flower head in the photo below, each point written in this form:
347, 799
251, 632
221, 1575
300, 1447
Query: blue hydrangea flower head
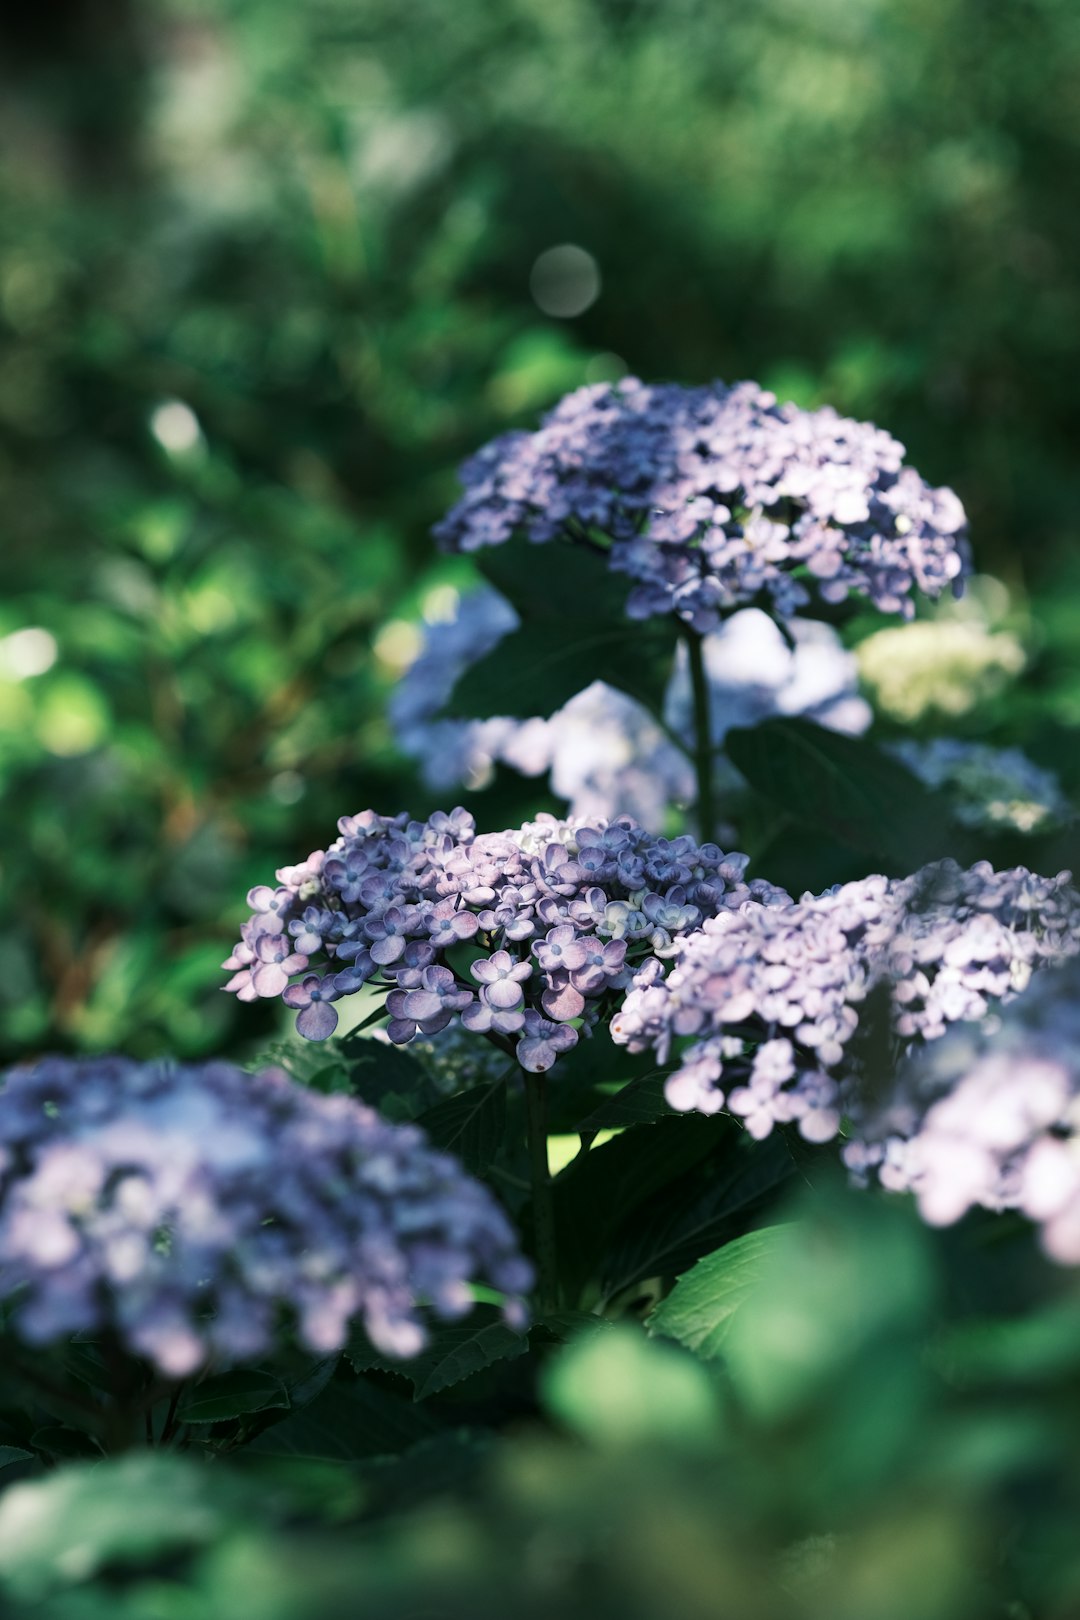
718, 497
763, 1003
195, 1212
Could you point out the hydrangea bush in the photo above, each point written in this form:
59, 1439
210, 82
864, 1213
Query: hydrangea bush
368, 1260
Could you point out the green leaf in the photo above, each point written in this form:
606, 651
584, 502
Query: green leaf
639, 1103
671, 1231
620, 1388
847, 787
454, 1352
14, 1454
470, 1125
347, 1423
231, 1395
60, 1530
601, 1188
698, 1311
572, 633
67, 1444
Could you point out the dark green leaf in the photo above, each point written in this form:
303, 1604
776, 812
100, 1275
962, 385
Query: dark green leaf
639, 1103
13, 1454
847, 787
573, 631
469, 1125
709, 1204
233, 1394
597, 1192
454, 1352
66, 1444
698, 1311
350, 1420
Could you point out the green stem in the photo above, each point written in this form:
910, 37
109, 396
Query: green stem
542, 1202
703, 748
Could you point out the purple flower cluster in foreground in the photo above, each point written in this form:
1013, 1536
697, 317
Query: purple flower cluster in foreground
191, 1210
522, 935
771, 996
717, 497
990, 1115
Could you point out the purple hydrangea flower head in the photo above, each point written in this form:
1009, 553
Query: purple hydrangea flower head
188, 1210
714, 498
563, 911
989, 1115
770, 996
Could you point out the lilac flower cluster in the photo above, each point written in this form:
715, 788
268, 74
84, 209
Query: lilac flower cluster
770, 997
717, 497
553, 918
191, 1211
991, 1116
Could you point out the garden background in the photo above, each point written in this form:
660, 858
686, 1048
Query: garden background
268, 273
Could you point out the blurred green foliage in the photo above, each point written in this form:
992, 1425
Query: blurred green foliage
889, 1432
265, 278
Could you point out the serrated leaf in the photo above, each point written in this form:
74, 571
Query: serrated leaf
596, 1193
699, 1310
669, 1233
349, 1422
847, 787
574, 630
470, 1125
639, 1103
377, 1072
454, 1352
231, 1395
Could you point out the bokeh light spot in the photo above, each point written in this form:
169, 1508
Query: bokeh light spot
565, 281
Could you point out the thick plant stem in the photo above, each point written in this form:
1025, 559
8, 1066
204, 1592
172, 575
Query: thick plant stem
703, 744
542, 1202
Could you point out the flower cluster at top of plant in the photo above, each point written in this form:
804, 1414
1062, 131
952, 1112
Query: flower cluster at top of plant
193, 1213
770, 998
555, 916
714, 498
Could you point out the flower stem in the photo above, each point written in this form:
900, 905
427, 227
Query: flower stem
703, 746
542, 1202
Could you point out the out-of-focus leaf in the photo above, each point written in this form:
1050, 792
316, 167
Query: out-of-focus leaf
231, 1395
454, 1352
351, 1420
13, 1454
63, 1528
620, 1388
